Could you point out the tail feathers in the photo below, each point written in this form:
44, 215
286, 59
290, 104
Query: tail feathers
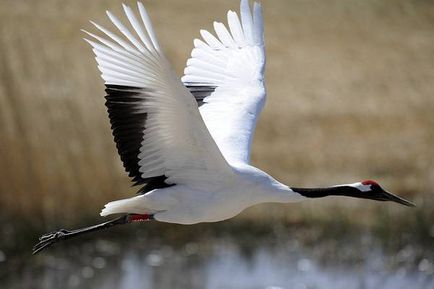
132, 205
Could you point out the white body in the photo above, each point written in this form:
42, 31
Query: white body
202, 202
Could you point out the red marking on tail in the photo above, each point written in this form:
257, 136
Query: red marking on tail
369, 182
139, 218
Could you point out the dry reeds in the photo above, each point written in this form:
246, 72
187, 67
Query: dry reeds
350, 87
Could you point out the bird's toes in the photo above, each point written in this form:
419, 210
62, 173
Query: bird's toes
49, 239
54, 235
46, 236
44, 244
41, 245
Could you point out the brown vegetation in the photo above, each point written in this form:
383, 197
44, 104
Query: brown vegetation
350, 96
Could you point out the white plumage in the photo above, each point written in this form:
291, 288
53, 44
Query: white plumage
234, 63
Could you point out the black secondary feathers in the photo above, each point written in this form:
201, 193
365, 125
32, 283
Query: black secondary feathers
200, 91
128, 124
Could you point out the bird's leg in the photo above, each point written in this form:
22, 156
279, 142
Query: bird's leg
49, 239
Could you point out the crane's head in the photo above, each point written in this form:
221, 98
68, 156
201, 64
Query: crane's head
367, 189
370, 189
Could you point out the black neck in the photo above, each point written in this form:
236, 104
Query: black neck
332, 191
375, 192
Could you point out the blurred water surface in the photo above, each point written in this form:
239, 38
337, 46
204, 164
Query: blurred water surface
224, 262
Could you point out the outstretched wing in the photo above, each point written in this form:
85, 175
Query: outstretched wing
226, 75
157, 127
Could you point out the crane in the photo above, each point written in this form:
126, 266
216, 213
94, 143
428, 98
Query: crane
186, 141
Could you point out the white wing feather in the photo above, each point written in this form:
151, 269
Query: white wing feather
234, 64
176, 142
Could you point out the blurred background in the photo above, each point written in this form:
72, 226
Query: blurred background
350, 97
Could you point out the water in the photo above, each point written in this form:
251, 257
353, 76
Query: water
221, 263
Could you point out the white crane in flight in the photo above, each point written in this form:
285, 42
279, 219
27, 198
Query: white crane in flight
186, 141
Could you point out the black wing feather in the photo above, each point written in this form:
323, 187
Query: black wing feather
128, 124
200, 91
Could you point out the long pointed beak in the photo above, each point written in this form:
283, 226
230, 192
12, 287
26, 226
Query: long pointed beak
386, 196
